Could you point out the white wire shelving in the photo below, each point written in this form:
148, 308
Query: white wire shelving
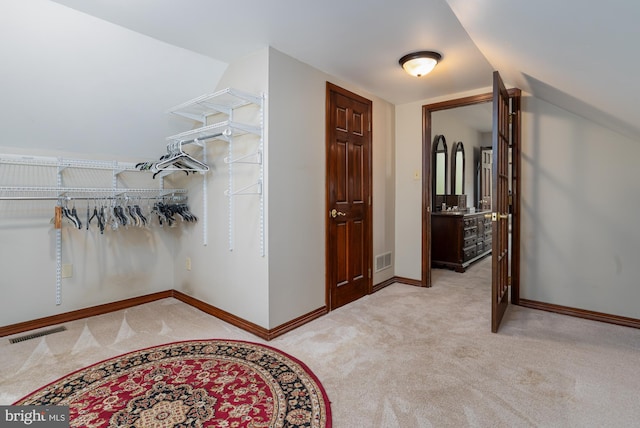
223, 105
63, 194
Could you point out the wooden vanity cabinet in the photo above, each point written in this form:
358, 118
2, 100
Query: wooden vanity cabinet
459, 239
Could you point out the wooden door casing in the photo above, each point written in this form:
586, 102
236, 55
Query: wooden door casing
349, 242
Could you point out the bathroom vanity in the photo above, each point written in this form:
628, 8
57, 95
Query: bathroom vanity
459, 239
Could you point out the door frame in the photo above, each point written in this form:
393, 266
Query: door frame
514, 94
330, 87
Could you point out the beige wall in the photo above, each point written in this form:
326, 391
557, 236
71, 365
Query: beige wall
297, 185
289, 280
234, 280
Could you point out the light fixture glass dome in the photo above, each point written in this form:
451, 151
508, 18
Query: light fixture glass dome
420, 63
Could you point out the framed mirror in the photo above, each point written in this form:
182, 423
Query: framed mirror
439, 169
457, 169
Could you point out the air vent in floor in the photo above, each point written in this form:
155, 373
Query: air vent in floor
383, 261
38, 334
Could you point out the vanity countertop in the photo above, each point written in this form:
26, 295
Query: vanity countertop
459, 213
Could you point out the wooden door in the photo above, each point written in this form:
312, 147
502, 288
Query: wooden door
500, 203
348, 190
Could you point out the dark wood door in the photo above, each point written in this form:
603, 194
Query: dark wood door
500, 203
349, 244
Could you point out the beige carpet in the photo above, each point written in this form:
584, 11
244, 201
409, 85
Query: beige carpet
403, 357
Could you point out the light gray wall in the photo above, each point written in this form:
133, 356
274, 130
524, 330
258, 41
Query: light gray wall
580, 236
78, 87
579, 194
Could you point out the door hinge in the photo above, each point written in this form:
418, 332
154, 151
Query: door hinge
369, 273
369, 200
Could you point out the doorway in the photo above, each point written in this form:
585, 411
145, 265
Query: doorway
349, 243
514, 167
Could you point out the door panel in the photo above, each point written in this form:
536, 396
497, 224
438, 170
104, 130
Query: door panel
341, 160
348, 196
500, 203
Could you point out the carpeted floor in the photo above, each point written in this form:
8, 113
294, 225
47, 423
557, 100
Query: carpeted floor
402, 357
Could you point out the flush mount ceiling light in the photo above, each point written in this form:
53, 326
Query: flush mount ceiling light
419, 63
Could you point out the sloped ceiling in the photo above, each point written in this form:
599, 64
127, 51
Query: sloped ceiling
578, 55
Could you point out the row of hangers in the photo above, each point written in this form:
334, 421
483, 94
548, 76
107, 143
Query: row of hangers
175, 159
117, 213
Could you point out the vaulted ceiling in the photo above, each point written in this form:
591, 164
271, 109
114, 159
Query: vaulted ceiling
579, 55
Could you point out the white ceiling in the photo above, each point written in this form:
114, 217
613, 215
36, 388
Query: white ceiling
580, 55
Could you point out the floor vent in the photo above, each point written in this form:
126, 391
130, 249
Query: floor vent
383, 261
38, 334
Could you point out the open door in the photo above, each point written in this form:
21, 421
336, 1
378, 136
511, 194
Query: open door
500, 202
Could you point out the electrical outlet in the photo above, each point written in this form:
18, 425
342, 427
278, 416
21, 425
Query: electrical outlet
187, 264
67, 271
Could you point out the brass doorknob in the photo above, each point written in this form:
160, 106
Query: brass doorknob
496, 216
335, 213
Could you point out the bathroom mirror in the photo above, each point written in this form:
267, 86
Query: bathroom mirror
439, 166
457, 168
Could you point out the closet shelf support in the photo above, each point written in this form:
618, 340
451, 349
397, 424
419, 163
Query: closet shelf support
241, 159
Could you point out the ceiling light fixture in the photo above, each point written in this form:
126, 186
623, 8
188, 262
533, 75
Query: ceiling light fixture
420, 63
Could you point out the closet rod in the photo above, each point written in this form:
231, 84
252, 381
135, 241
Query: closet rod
198, 139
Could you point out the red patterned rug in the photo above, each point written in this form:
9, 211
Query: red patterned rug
208, 383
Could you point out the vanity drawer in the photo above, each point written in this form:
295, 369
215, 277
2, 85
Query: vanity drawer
469, 252
469, 222
469, 241
470, 231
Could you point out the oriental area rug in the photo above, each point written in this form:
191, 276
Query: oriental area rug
208, 383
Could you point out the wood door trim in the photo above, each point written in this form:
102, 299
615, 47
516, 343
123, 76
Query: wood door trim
516, 170
581, 313
330, 87
427, 109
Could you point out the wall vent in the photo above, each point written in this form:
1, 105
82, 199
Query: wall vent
38, 334
383, 261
